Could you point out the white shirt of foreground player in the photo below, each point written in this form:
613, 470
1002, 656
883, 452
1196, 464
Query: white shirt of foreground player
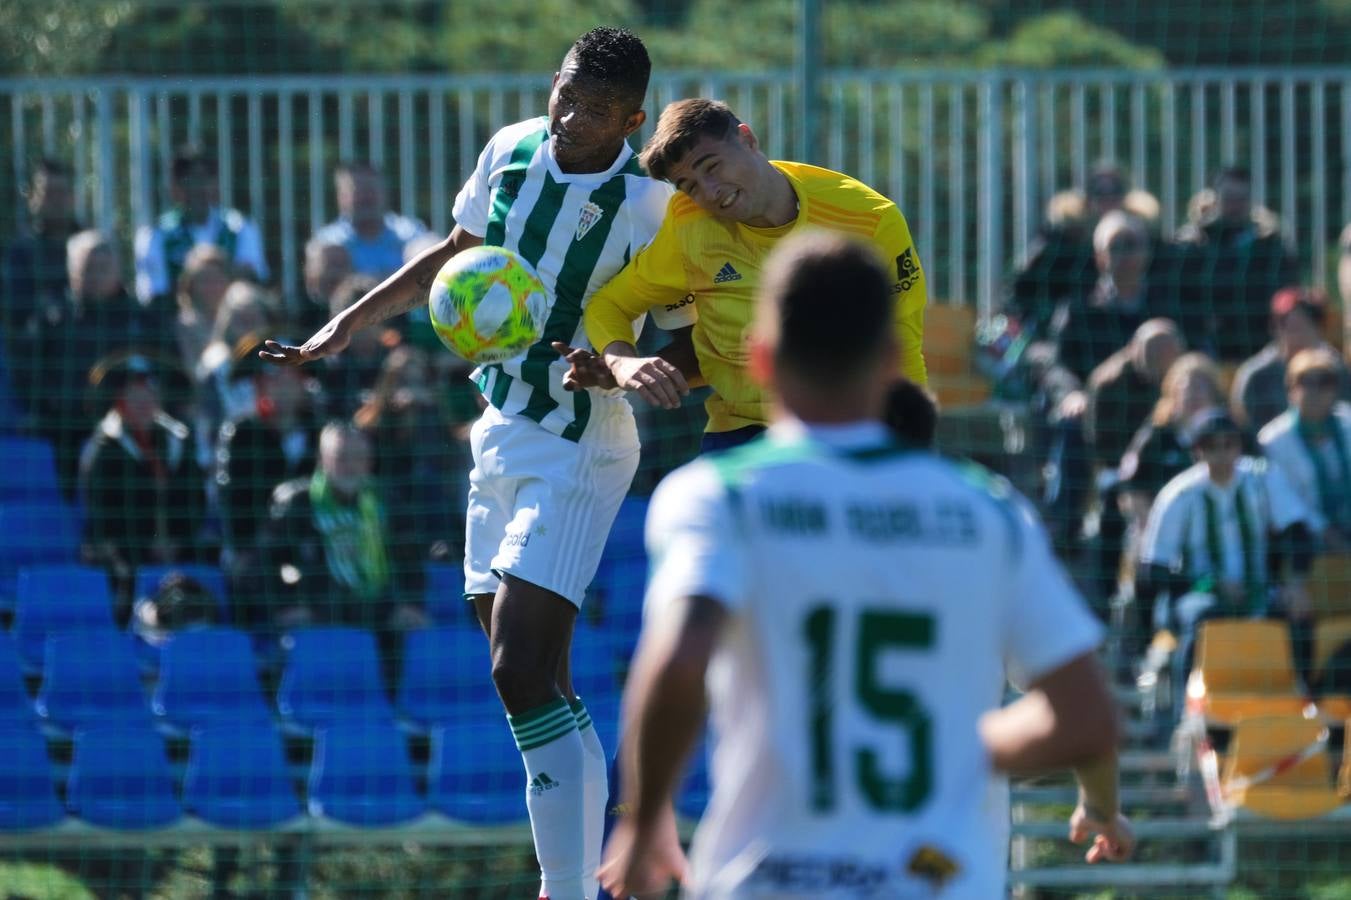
833, 557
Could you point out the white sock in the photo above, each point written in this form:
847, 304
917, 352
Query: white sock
596, 793
552, 749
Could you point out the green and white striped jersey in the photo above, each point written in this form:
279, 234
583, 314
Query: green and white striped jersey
577, 231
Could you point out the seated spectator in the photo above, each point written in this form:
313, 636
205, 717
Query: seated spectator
196, 218
1209, 534
422, 454
348, 377
245, 310
142, 490
374, 236
1311, 444
95, 319
201, 290
33, 270
327, 545
327, 265
1233, 263
1259, 392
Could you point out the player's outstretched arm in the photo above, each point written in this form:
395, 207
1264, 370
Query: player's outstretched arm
1098, 815
404, 290
651, 377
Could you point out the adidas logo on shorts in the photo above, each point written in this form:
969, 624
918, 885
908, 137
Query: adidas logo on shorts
541, 783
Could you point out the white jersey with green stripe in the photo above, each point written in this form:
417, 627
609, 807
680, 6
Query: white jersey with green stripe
877, 596
577, 230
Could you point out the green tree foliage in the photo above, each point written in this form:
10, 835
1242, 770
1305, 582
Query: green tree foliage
1063, 39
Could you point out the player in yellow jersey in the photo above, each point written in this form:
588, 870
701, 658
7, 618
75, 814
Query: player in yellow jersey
733, 206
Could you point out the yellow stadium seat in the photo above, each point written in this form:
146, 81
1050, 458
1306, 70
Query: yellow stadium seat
1303, 791
1344, 775
1243, 668
949, 339
1330, 585
959, 390
1328, 636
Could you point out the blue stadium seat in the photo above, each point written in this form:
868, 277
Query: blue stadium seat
444, 669
332, 675
120, 778
91, 679
237, 776
212, 578
475, 772
56, 600
207, 674
14, 703
360, 775
27, 470
617, 594
626, 534
599, 659
444, 594
35, 533
27, 792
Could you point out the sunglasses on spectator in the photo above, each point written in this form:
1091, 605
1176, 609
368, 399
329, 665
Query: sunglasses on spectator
1317, 380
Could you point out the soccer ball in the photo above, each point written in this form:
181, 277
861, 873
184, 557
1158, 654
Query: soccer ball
488, 305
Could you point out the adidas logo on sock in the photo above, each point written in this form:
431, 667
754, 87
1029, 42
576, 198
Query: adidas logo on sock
726, 274
541, 783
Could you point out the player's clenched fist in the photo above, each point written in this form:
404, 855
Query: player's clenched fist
651, 377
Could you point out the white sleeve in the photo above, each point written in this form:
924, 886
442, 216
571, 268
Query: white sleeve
473, 203
152, 277
1165, 530
673, 316
1285, 505
1047, 622
249, 250
693, 542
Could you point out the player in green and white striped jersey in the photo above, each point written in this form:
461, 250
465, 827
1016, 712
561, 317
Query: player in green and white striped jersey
550, 466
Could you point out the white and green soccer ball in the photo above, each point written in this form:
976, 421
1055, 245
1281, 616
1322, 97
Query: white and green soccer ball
488, 305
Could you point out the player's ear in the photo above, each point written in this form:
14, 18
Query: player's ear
634, 121
748, 136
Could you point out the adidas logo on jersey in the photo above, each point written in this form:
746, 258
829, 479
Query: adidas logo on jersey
726, 274
541, 783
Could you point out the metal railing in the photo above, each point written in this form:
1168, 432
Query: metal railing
970, 158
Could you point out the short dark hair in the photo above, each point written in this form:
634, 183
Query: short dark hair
680, 127
911, 413
1232, 173
188, 159
47, 167
1106, 175
617, 57
807, 279
348, 168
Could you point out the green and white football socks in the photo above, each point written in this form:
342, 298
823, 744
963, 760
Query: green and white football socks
595, 794
554, 757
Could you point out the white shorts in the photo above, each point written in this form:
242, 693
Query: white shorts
541, 506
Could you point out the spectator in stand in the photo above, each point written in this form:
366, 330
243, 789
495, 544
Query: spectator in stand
142, 490
349, 376
201, 289
373, 235
327, 548
33, 271
245, 310
1234, 261
1259, 392
327, 265
96, 318
1311, 444
196, 218
422, 453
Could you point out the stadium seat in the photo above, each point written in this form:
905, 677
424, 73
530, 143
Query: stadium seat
206, 674
600, 658
444, 669
626, 539
1330, 586
35, 533
1243, 668
475, 772
237, 776
332, 675
212, 578
1302, 791
14, 703
361, 775
27, 792
444, 594
91, 679
27, 470
616, 595
120, 778
56, 600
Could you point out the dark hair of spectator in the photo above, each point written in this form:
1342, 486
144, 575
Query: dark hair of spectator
617, 58
911, 413
47, 167
680, 127
1106, 180
349, 168
806, 280
1232, 173
1311, 301
189, 160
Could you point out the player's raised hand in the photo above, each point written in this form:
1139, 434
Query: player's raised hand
585, 369
652, 378
330, 340
1113, 841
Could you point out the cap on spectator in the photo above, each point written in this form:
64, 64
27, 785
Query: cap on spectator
116, 370
1308, 300
1208, 423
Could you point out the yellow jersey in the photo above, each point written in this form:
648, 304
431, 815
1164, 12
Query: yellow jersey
704, 271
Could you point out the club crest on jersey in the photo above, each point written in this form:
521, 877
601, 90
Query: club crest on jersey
587, 216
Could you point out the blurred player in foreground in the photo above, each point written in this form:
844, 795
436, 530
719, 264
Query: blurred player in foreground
850, 606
